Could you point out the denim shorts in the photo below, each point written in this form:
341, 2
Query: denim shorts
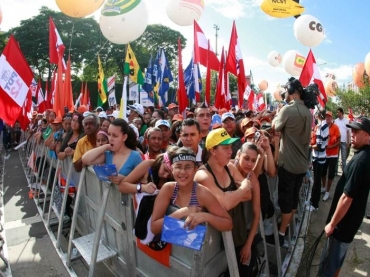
332, 257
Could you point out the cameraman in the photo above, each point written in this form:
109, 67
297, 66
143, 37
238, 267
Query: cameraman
294, 122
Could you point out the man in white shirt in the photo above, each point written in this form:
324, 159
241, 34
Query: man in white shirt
345, 136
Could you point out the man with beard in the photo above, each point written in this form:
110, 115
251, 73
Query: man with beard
91, 125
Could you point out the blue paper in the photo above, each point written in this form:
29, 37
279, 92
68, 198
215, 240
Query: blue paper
104, 171
173, 231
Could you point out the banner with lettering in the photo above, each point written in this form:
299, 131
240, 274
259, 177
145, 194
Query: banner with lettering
15, 81
112, 91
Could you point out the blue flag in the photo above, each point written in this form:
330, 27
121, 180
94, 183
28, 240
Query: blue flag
164, 76
148, 82
189, 79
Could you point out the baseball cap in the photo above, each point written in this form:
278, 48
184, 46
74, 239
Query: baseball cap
177, 117
115, 114
329, 113
189, 113
227, 115
219, 137
57, 120
86, 113
362, 123
99, 109
245, 122
102, 114
222, 111
162, 122
136, 107
172, 106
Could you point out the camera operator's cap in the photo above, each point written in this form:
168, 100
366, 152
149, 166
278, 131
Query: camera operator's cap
162, 122
219, 137
329, 113
227, 115
136, 107
362, 123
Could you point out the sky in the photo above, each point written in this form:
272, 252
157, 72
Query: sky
346, 40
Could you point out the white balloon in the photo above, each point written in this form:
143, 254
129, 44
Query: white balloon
292, 62
308, 30
274, 58
183, 12
123, 25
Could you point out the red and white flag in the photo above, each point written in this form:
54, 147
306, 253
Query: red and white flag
41, 102
222, 99
260, 102
24, 116
15, 81
235, 64
249, 93
311, 74
201, 50
56, 46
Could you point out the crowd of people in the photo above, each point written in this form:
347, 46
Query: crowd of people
213, 165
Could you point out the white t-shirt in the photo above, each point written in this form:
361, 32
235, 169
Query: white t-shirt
341, 123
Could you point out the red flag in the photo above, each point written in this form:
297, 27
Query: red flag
220, 89
235, 64
15, 82
208, 78
56, 46
311, 74
23, 117
41, 102
260, 102
86, 97
182, 97
48, 95
201, 50
67, 92
58, 91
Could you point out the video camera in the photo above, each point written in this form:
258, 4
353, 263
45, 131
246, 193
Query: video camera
309, 94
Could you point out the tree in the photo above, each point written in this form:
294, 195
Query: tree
358, 101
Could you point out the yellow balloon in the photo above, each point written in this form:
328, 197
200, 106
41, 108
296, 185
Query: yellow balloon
79, 8
281, 8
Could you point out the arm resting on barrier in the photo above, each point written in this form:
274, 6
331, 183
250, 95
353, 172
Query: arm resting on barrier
342, 208
95, 155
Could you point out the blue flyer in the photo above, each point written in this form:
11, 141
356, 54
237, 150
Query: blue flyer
104, 171
173, 231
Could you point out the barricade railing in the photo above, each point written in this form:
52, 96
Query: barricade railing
105, 218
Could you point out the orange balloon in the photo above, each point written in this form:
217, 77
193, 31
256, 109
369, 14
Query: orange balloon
367, 63
277, 95
331, 87
358, 75
263, 85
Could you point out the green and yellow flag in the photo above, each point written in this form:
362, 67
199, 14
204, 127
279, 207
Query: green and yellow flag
102, 85
132, 68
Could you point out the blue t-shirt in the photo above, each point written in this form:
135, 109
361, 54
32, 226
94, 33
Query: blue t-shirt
132, 161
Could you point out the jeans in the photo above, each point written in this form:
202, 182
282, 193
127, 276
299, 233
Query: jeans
332, 257
343, 154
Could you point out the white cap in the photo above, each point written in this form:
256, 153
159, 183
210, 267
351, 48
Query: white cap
162, 122
115, 114
227, 115
103, 114
86, 113
133, 127
137, 108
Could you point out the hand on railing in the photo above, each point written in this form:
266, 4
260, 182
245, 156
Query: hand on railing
149, 188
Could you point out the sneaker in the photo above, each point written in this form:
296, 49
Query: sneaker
7, 156
323, 190
312, 209
326, 196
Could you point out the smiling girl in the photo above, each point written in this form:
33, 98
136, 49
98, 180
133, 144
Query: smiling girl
191, 198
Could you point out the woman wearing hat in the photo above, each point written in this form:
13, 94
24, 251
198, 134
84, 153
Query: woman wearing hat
228, 185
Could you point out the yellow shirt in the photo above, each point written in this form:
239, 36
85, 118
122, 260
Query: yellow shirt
83, 145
